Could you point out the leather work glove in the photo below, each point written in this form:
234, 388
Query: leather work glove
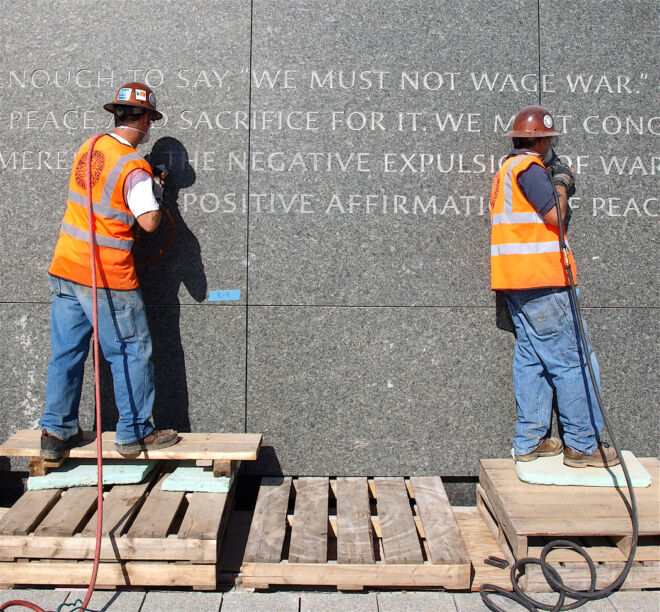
552, 161
563, 175
160, 172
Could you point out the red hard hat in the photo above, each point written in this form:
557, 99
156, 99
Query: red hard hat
533, 122
134, 94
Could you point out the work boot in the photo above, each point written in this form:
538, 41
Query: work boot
52, 447
158, 438
603, 456
548, 448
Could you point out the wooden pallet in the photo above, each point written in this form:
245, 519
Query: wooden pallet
524, 517
222, 449
354, 533
151, 537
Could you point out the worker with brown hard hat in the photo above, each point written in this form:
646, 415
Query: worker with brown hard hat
122, 188
527, 267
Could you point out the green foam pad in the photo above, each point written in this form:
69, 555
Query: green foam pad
552, 471
188, 477
83, 473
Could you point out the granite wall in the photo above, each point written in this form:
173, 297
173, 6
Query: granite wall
330, 169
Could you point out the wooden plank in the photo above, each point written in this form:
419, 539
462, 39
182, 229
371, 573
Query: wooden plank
119, 506
203, 516
266, 537
567, 526
354, 531
220, 446
255, 575
487, 491
309, 536
480, 544
28, 511
110, 574
67, 516
640, 577
400, 541
440, 528
530, 507
157, 513
112, 548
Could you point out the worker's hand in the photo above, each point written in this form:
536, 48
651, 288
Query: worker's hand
563, 175
160, 173
159, 192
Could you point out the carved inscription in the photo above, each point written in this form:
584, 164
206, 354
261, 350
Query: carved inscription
386, 123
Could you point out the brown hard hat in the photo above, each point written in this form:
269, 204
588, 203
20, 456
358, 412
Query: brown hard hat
137, 95
533, 122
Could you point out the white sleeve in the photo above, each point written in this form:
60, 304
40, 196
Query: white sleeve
138, 192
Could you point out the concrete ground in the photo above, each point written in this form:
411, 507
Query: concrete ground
286, 601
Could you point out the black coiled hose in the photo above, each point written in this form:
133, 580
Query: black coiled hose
551, 575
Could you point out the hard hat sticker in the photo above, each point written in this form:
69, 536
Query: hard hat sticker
141, 94
152, 99
124, 94
547, 121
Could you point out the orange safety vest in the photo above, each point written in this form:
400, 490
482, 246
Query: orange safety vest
112, 162
524, 249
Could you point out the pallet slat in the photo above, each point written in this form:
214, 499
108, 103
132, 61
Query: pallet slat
119, 506
309, 536
122, 548
440, 527
400, 541
203, 516
354, 531
269, 523
69, 512
28, 511
109, 574
218, 446
157, 513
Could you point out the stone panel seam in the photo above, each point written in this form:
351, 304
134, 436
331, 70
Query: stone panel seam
247, 226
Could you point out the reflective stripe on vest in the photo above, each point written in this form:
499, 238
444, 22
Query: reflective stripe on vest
104, 241
524, 248
101, 209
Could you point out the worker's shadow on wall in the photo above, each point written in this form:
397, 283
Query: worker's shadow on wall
161, 282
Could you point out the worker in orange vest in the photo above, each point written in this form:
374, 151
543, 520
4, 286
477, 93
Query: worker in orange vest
123, 188
527, 267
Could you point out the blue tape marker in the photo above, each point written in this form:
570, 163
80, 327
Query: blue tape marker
225, 296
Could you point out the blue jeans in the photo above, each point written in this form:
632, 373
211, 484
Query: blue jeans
126, 344
547, 358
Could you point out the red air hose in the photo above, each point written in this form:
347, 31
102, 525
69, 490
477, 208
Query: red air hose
97, 386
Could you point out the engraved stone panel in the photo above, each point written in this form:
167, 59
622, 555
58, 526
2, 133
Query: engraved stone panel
375, 124
62, 62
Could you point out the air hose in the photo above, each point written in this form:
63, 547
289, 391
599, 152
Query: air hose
97, 387
551, 575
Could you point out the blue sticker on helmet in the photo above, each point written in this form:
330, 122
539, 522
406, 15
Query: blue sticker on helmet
124, 94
